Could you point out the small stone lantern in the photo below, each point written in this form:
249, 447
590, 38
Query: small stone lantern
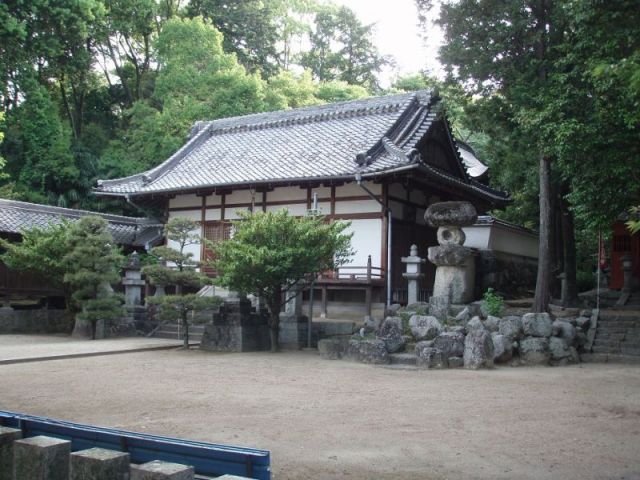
413, 273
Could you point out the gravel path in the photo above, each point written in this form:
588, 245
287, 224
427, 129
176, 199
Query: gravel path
332, 419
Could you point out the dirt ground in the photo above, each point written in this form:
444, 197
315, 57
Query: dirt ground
332, 419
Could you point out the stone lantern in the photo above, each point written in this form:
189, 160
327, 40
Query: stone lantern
455, 272
413, 273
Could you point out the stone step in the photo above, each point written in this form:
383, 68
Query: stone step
402, 359
195, 338
172, 327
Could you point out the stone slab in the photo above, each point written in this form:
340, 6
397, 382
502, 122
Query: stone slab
7, 437
41, 458
99, 464
159, 470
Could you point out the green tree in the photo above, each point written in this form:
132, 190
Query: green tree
92, 264
40, 251
38, 148
177, 268
270, 253
196, 80
342, 48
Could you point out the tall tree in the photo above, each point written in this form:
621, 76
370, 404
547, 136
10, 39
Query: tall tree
342, 48
504, 49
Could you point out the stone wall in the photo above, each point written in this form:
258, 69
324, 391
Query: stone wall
236, 328
506, 273
35, 321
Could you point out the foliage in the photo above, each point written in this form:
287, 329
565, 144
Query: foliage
176, 267
342, 48
270, 253
492, 302
633, 224
92, 264
40, 251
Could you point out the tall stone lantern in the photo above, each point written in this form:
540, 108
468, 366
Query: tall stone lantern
455, 272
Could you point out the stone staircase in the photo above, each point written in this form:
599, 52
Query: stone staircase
618, 333
175, 332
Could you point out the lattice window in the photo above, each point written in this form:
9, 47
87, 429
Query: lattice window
215, 232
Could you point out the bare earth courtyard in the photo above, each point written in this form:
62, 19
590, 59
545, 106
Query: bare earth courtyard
332, 419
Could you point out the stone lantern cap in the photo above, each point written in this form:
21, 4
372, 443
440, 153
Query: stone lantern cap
460, 214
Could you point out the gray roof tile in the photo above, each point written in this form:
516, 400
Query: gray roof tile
312, 143
16, 216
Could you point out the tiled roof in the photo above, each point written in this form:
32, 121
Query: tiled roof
312, 143
17, 216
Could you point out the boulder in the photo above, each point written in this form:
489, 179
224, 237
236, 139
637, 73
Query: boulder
475, 324
428, 356
439, 306
368, 351
425, 327
534, 350
511, 326
464, 316
391, 334
502, 348
456, 328
332, 348
417, 307
392, 310
441, 214
394, 320
455, 362
558, 348
583, 323
581, 340
536, 324
564, 330
478, 349
451, 344
492, 323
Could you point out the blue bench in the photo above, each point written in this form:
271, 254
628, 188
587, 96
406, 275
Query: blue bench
207, 458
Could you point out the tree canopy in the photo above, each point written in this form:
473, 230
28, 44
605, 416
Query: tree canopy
107, 88
270, 253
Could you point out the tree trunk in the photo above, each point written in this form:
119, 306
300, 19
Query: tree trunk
185, 324
541, 300
274, 304
570, 284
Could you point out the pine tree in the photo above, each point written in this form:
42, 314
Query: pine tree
93, 263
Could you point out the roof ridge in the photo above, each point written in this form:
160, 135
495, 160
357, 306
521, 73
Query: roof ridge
311, 114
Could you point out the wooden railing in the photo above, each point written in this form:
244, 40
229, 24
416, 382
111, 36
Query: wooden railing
355, 274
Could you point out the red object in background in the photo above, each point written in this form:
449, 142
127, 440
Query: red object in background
623, 243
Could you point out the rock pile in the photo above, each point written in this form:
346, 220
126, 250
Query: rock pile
473, 342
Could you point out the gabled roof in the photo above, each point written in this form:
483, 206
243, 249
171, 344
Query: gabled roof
305, 144
17, 216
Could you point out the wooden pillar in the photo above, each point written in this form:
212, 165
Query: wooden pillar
323, 312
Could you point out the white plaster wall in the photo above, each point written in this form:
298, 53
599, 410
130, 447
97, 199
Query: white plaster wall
287, 193
322, 192
231, 213
366, 240
495, 237
353, 189
477, 236
213, 200
181, 201
242, 196
190, 214
513, 241
358, 206
213, 214
193, 215
297, 209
